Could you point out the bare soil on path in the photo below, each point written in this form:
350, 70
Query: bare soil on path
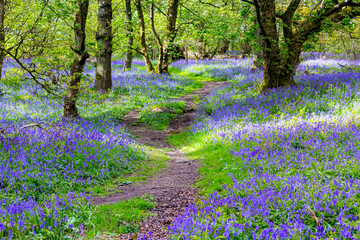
173, 189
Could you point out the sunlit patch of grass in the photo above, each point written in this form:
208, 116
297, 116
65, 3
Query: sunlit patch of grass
215, 158
119, 218
198, 76
158, 116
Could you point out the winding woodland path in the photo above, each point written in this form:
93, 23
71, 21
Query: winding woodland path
173, 188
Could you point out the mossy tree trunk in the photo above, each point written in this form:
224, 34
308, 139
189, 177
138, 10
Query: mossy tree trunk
158, 40
143, 45
129, 35
281, 62
168, 44
76, 69
104, 37
2, 34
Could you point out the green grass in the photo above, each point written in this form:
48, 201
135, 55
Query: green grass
199, 77
215, 158
125, 216
158, 116
119, 218
155, 162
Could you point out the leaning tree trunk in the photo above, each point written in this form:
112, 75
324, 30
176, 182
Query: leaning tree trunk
129, 35
70, 109
143, 45
158, 40
170, 35
104, 46
2, 34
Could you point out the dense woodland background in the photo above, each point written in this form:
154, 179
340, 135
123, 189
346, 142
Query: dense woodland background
277, 136
53, 33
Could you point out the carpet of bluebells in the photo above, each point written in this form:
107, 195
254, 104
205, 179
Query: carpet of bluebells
47, 163
295, 154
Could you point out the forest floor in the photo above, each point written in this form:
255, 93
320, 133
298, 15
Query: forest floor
172, 189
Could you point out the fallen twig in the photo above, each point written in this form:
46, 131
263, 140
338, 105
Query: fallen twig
313, 215
36, 125
347, 67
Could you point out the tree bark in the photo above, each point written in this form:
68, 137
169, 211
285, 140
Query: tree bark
158, 40
271, 50
225, 47
2, 34
186, 55
201, 48
104, 46
201, 44
76, 69
258, 58
280, 64
129, 35
143, 45
170, 35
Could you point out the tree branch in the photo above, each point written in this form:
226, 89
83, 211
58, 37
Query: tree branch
262, 29
210, 4
313, 25
291, 9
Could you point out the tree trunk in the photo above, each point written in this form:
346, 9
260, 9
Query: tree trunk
213, 53
202, 48
104, 46
186, 43
276, 74
129, 35
279, 76
258, 58
143, 45
225, 47
158, 40
170, 35
280, 66
70, 109
2, 34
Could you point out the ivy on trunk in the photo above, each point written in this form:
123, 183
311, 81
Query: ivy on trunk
76, 69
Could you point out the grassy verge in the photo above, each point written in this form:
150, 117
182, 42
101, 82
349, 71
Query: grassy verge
154, 163
215, 158
158, 116
120, 218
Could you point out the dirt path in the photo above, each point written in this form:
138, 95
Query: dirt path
173, 188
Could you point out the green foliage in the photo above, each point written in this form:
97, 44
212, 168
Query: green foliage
13, 78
